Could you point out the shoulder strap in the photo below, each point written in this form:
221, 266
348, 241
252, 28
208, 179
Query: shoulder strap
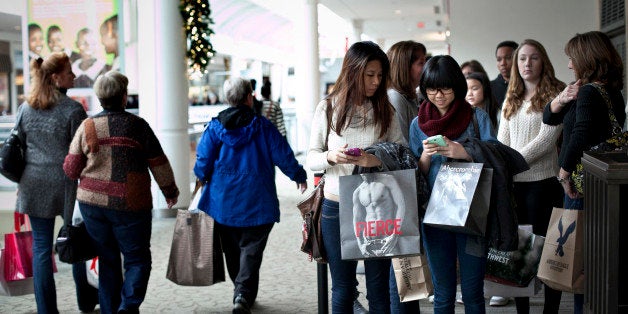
615, 127
476, 127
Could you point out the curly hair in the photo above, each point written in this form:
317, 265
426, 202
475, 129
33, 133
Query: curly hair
547, 88
44, 94
349, 91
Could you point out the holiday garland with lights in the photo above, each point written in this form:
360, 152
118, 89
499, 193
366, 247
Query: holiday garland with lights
196, 21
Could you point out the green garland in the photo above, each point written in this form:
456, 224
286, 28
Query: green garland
196, 22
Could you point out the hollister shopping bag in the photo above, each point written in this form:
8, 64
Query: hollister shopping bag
562, 260
413, 277
516, 268
379, 216
460, 198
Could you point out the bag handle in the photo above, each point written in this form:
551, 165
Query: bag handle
615, 127
20, 219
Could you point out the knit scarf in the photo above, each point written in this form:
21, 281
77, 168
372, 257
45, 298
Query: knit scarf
451, 124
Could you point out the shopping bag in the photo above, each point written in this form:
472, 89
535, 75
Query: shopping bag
91, 266
379, 216
413, 277
13, 288
460, 198
18, 251
195, 254
516, 268
562, 261
492, 288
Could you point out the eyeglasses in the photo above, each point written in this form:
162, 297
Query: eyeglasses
434, 91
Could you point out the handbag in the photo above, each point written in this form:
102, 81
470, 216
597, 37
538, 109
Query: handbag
310, 208
312, 237
12, 161
413, 278
617, 141
562, 261
460, 198
195, 254
516, 268
379, 215
74, 244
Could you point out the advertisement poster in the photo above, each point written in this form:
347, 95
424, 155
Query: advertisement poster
86, 30
379, 216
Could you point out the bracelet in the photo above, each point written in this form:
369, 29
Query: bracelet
562, 180
560, 103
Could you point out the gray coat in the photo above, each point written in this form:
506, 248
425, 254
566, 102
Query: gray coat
44, 190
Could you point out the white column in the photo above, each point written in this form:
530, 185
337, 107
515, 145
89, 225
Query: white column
307, 73
163, 86
358, 29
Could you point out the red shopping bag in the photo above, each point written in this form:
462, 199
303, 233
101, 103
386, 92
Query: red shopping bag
18, 251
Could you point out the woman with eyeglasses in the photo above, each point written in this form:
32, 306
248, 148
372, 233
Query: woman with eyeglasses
447, 113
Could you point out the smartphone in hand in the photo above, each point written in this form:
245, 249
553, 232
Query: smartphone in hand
353, 151
437, 139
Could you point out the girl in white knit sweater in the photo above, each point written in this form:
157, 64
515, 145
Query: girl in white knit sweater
532, 84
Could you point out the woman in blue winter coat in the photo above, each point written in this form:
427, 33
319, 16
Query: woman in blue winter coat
235, 159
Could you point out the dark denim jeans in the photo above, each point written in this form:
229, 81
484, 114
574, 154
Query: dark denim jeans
396, 306
578, 204
118, 232
443, 249
43, 278
343, 280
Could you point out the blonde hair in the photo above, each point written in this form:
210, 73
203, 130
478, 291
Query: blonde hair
44, 93
547, 88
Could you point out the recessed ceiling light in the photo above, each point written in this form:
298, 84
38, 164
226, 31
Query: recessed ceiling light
398, 12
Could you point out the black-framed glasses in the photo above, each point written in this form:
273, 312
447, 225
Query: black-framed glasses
434, 91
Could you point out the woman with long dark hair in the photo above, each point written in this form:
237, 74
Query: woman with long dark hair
360, 116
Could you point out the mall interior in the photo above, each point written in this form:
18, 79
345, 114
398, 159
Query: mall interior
298, 45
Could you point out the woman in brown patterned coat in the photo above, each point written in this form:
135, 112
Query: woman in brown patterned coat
112, 153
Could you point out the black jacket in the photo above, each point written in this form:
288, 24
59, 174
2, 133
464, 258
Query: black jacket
398, 157
506, 162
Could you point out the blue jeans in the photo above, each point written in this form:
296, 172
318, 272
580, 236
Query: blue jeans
396, 306
443, 249
43, 278
576, 203
118, 232
343, 280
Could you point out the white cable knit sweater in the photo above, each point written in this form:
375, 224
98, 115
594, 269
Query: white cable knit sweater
535, 140
356, 135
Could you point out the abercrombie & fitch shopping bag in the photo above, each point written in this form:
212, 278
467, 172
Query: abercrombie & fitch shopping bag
516, 268
460, 198
379, 216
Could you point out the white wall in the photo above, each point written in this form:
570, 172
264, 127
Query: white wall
477, 27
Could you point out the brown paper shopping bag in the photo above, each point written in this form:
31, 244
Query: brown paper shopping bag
562, 261
414, 281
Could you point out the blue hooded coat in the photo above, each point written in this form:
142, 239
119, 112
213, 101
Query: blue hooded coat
236, 158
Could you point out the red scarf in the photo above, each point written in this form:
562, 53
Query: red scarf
452, 124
